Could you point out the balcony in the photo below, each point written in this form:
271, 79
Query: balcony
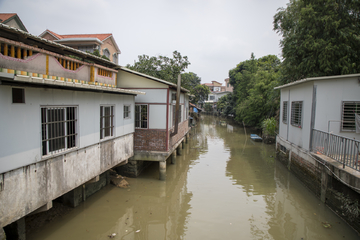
34, 57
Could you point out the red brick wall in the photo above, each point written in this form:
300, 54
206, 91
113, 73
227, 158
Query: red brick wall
182, 130
150, 140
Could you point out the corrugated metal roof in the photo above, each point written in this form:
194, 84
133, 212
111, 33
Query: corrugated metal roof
152, 78
317, 79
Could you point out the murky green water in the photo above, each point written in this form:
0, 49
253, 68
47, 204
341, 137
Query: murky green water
224, 186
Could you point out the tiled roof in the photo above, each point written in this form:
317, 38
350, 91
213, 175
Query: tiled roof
5, 16
55, 34
100, 36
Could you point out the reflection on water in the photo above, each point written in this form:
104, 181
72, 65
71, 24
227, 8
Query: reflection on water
224, 187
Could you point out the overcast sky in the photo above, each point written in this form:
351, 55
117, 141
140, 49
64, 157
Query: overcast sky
215, 35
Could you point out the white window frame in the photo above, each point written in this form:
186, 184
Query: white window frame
285, 112
107, 121
296, 113
106, 53
127, 112
115, 58
141, 116
59, 129
349, 108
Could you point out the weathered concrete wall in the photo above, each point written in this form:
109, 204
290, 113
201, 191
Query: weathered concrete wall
133, 168
325, 178
29, 188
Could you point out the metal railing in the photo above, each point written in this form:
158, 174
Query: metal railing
342, 149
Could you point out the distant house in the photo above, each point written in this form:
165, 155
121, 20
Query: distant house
12, 20
217, 91
327, 104
63, 123
155, 139
228, 87
104, 43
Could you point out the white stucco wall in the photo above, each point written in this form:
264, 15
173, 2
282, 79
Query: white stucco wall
130, 80
157, 116
20, 126
152, 96
330, 95
298, 136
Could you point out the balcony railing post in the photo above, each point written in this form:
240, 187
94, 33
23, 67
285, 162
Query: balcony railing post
344, 153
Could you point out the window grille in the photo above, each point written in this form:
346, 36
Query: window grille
296, 113
212, 97
348, 115
285, 112
126, 111
59, 129
18, 95
106, 121
141, 118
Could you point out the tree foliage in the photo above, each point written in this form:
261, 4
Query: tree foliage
199, 94
320, 38
190, 80
161, 67
225, 105
254, 95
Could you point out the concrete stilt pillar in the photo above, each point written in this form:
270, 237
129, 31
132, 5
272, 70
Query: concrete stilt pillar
183, 144
162, 170
186, 138
324, 184
179, 149
16, 230
173, 157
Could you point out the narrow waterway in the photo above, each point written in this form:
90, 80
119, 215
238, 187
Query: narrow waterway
224, 186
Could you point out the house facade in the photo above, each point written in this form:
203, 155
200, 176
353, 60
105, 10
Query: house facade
105, 43
155, 139
63, 124
317, 138
12, 20
326, 103
217, 91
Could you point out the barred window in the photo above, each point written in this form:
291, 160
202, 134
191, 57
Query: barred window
141, 118
212, 97
58, 128
285, 112
106, 121
348, 115
296, 113
126, 111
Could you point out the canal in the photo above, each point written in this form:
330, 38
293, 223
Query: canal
224, 186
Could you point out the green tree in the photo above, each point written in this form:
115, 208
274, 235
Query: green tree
161, 67
199, 94
190, 80
319, 38
225, 105
254, 96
